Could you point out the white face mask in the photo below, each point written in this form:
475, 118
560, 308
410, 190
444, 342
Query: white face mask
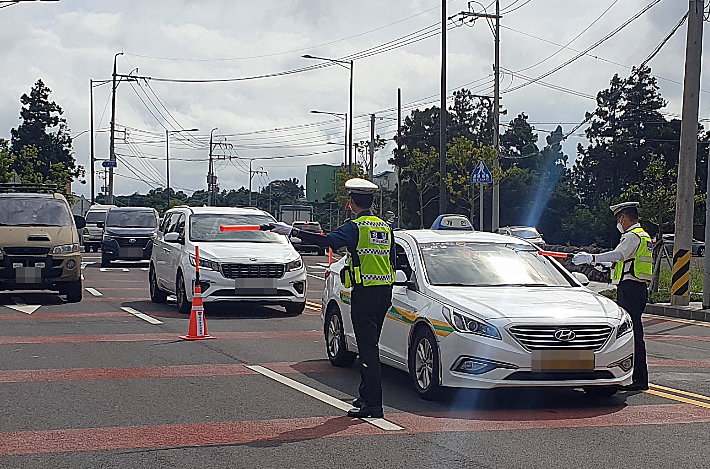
619, 227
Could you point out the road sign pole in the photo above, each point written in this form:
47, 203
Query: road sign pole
480, 206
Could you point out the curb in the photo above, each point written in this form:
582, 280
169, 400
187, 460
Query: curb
680, 312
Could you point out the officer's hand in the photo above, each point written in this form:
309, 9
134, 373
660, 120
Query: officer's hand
582, 258
281, 228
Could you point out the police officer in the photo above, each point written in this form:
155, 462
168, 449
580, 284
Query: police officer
370, 273
633, 269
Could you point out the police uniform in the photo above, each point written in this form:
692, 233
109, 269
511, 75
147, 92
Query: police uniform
370, 274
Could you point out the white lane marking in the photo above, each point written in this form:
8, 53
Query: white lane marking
145, 269
113, 269
94, 291
321, 396
315, 276
138, 314
84, 264
21, 306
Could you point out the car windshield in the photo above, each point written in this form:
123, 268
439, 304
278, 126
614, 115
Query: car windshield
95, 217
310, 226
525, 233
205, 227
34, 211
131, 219
488, 265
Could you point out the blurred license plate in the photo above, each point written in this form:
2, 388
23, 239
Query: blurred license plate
130, 252
28, 275
562, 360
255, 286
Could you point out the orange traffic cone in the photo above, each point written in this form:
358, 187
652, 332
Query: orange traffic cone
198, 326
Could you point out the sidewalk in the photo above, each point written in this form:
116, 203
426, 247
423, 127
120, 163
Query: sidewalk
695, 311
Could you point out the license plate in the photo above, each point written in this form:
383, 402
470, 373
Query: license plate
130, 252
562, 360
255, 286
28, 275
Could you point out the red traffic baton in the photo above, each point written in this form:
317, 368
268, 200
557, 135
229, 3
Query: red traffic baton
559, 255
245, 227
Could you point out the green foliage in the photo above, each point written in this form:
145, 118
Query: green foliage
421, 174
462, 156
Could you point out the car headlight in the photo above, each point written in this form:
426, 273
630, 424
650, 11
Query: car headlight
65, 249
469, 325
625, 327
294, 265
206, 263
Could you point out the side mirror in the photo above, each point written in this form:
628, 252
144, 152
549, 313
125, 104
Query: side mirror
171, 238
400, 280
581, 278
79, 221
100, 224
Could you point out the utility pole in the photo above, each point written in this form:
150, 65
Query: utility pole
211, 177
495, 221
112, 148
372, 147
93, 154
251, 176
442, 116
399, 150
706, 257
680, 280
350, 113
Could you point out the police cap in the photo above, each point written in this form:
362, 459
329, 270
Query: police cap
360, 186
619, 207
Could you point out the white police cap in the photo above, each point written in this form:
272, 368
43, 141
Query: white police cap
360, 186
619, 207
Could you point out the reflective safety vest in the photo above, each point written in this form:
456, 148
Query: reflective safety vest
370, 264
641, 265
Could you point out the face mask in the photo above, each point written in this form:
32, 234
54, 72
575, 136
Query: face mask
619, 227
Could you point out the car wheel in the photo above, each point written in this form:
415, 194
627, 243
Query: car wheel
74, 291
335, 339
105, 261
183, 304
600, 392
156, 294
424, 364
294, 309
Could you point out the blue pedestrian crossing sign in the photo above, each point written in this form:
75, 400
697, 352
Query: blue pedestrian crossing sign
481, 175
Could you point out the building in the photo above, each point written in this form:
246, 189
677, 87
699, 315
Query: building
387, 180
320, 181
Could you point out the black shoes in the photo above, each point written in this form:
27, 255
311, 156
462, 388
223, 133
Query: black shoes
365, 412
636, 387
358, 403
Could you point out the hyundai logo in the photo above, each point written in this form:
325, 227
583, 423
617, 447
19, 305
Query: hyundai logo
565, 335
132, 240
253, 259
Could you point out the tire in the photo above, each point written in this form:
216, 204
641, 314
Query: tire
156, 294
335, 339
184, 306
73, 290
105, 261
294, 309
424, 364
601, 392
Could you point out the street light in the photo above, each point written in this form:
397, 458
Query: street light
350, 64
345, 117
167, 156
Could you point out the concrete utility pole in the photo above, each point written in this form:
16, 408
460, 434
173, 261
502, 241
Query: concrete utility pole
251, 176
112, 148
680, 280
93, 154
371, 173
706, 257
442, 117
399, 150
495, 209
211, 176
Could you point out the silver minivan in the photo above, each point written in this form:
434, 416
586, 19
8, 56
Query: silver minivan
91, 234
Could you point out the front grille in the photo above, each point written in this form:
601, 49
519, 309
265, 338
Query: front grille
26, 251
139, 243
543, 337
234, 293
253, 270
562, 376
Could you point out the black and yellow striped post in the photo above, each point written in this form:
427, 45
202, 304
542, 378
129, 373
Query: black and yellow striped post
680, 281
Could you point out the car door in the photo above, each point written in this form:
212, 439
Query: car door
174, 256
160, 251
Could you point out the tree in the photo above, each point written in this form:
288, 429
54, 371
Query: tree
363, 151
5, 162
463, 155
54, 161
518, 145
421, 174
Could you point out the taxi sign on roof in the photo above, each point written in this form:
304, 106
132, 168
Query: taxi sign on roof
481, 175
452, 222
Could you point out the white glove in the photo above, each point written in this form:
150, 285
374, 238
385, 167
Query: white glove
282, 228
582, 258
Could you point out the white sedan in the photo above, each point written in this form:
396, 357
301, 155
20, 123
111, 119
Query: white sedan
482, 310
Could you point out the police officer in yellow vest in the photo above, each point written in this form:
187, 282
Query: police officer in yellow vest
370, 273
633, 267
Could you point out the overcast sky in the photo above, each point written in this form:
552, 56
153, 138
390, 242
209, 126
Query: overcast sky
68, 43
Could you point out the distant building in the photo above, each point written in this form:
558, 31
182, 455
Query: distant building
320, 181
387, 180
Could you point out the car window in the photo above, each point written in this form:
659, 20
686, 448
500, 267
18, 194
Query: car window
474, 264
403, 261
165, 223
131, 219
34, 211
205, 227
526, 233
175, 222
95, 217
310, 226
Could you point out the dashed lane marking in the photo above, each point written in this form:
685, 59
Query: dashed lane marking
316, 276
143, 316
323, 397
21, 306
113, 269
94, 291
684, 321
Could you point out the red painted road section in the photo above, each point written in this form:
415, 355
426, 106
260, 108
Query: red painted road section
677, 338
188, 435
71, 339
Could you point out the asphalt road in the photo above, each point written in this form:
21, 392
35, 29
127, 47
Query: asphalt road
93, 385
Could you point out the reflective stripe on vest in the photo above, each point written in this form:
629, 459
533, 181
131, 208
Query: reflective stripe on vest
641, 266
370, 264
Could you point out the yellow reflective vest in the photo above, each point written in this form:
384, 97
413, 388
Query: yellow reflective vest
641, 265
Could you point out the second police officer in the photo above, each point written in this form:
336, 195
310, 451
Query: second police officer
370, 273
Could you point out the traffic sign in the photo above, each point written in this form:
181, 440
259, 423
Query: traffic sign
481, 175
109, 164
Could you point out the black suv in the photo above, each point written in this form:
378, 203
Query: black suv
128, 234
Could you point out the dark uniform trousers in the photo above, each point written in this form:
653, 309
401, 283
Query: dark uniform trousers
632, 296
369, 306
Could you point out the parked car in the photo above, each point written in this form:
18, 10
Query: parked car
92, 234
312, 226
482, 310
697, 249
39, 241
528, 233
128, 234
235, 266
